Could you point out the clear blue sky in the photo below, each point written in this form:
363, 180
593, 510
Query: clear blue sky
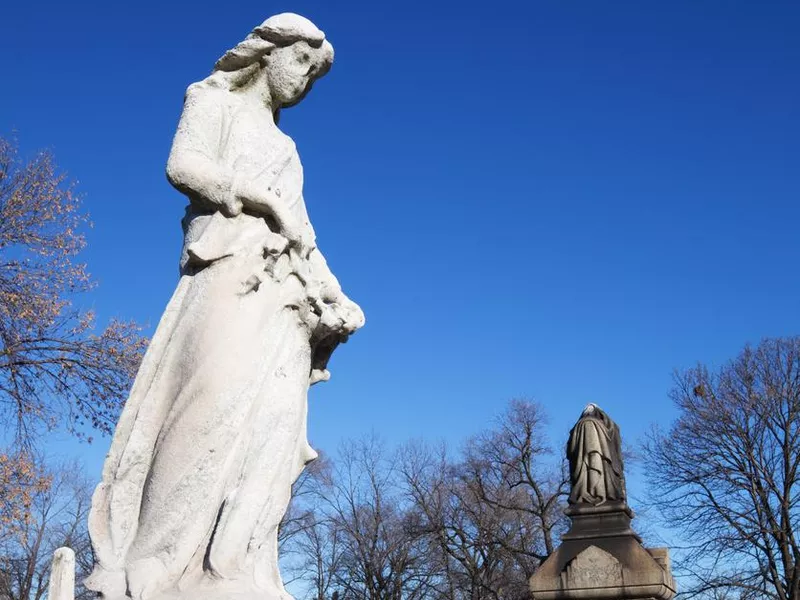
561, 200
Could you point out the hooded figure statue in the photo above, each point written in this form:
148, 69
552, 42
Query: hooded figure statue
594, 450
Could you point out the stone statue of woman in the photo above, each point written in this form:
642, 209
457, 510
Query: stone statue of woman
594, 451
214, 432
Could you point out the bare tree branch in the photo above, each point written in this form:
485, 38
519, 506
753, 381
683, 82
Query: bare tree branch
726, 473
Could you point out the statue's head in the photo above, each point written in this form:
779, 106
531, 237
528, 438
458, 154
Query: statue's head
287, 52
590, 409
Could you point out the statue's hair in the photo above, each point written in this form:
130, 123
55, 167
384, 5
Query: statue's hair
278, 31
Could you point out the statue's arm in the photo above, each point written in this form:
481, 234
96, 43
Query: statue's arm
329, 288
195, 169
342, 314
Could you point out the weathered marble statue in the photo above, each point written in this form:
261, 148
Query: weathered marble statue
594, 451
214, 432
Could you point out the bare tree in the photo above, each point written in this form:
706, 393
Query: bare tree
55, 370
421, 524
494, 514
515, 469
380, 559
321, 545
725, 475
57, 517
306, 491
307, 537
462, 530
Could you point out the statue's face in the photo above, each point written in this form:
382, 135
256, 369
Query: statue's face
292, 69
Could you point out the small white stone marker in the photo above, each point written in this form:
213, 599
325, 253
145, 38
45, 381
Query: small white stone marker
62, 575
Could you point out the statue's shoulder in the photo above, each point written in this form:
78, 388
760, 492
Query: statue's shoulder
204, 90
207, 103
209, 93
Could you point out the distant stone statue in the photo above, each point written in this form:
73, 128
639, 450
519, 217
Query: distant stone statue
600, 556
594, 451
214, 432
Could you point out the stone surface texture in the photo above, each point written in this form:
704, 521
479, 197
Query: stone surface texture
601, 556
594, 450
213, 434
593, 567
62, 575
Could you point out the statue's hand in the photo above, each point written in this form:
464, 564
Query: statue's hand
268, 204
298, 238
342, 315
259, 199
232, 206
354, 316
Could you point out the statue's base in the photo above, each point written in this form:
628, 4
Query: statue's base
214, 594
602, 557
607, 520
206, 589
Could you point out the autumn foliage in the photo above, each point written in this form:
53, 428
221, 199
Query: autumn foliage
55, 515
57, 371
20, 481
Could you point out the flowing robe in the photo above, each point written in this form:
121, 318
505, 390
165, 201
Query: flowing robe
214, 431
594, 450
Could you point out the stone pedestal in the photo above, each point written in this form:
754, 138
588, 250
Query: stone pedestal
602, 557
